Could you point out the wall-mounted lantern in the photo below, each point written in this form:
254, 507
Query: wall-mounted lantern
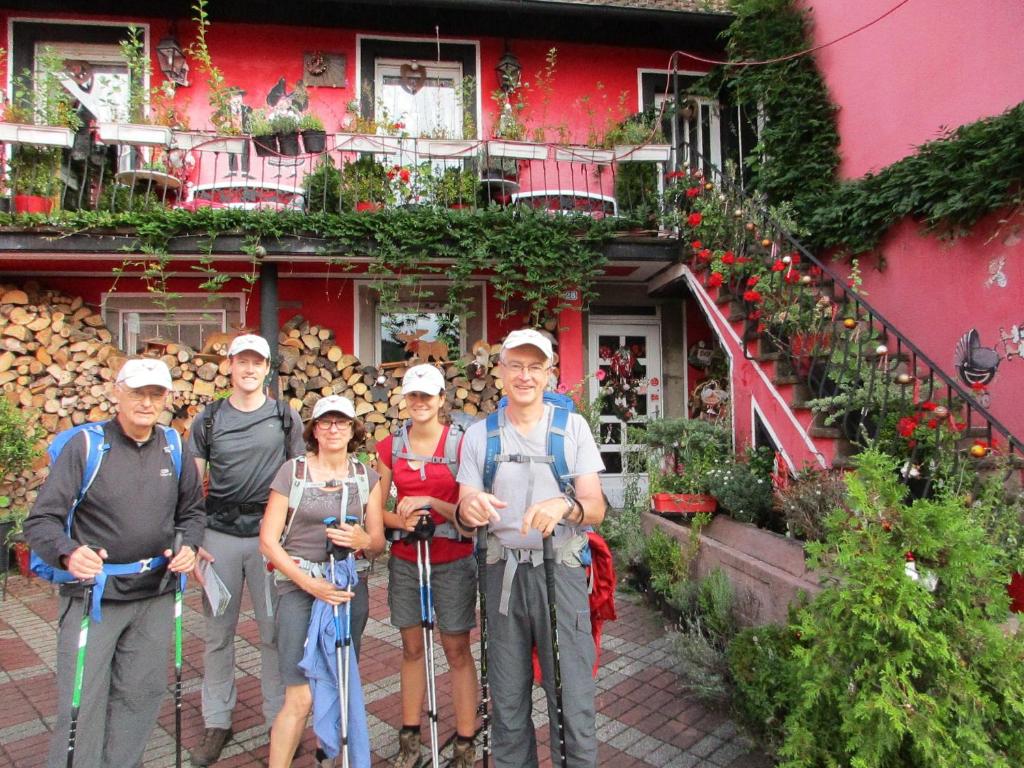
509, 71
172, 59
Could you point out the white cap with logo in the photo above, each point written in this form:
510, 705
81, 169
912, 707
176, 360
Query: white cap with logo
528, 336
423, 378
249, 341
334, 404
144, 372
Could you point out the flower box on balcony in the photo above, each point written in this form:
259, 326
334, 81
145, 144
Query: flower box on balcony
358, 142
642, 153
518, 150
447, 148
135, 134
583, 155
208, 142
682, 503
40, 135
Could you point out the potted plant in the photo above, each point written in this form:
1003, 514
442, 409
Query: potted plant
742, 487
263, 137
364, 185
638, 144
314, 138
138, 130
35, 178
688, 449
322, 187
455, 188
19, 448
286, 126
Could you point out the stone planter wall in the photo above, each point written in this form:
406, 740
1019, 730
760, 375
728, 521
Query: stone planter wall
767, 570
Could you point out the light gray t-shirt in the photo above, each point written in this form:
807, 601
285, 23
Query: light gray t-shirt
511, 480
247, 449
306, 537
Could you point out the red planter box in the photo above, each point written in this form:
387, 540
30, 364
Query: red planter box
1015, 589
682, 503
32, 204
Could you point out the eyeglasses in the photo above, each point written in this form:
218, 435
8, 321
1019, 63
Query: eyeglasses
328, 424
138, 395
517, 369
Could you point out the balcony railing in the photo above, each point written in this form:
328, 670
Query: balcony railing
118, 167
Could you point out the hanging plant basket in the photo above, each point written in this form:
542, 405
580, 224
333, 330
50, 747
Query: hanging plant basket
314, 142
266, 146
683, 503
288, 144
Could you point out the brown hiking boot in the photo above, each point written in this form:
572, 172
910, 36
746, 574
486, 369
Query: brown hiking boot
464, 755
208, 751
408, 750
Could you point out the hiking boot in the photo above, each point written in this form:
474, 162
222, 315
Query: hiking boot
464, 755
408, 750
208, 751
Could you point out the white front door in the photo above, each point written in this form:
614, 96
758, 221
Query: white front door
627, 353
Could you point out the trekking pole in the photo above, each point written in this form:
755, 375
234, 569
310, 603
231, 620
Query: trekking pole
485, 718
549, 573
422, 534
342, 640
179, 594
76, 693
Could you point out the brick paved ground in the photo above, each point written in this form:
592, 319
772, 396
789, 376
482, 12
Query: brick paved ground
645, 718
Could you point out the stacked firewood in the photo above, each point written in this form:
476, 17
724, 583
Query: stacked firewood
58, 363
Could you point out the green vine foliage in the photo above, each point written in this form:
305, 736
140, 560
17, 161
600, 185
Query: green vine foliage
886, 673
797, 156
531, 259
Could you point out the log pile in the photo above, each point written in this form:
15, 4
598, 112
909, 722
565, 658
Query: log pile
58, 362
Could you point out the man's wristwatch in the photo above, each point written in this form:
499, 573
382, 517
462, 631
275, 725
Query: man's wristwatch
570, 505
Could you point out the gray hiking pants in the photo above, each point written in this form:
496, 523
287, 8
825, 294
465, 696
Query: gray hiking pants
125, 680
510, 671
237, 561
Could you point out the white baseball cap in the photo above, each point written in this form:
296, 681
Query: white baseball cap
528, 336
423, 378
144, 372
250, 341
334, 404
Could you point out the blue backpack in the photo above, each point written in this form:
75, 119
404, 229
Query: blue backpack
555, 459
95, 449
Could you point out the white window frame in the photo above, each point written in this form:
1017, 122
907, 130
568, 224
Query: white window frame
116, 306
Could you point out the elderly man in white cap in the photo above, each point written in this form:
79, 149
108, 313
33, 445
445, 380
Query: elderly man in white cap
242, 441
511, 482
119, 539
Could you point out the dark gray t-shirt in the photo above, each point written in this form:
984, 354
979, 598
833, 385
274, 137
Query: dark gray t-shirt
247, 449
306, 537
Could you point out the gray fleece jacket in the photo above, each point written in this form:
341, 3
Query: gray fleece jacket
131, 509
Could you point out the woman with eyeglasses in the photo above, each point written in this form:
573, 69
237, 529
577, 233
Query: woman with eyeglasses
327, 482
421, 460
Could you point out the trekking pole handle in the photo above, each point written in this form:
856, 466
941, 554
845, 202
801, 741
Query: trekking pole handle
549, 548
341, 553
179, 540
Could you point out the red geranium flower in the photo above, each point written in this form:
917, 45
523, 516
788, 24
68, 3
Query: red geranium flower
794, 258
705, 255
675, 174
404, 175
792, 277
715, 280
752, 280
906, 426
928, 405
933, 423
694, 219
693, 192
751, 296
778, 266
696, 245
728, 257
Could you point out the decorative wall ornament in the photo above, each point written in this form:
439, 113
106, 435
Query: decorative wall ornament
413, 77
996, 276
324, 70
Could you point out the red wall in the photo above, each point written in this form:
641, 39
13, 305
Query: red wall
922, 70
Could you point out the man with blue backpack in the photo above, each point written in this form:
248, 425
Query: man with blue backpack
530, 474
103, 527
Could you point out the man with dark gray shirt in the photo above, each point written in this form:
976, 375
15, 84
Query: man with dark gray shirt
124, 524
242, 441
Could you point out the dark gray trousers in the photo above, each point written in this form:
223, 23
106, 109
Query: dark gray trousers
125, 680
510, 672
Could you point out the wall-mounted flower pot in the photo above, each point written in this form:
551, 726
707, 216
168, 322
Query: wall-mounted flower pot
32, 204
139, 135
288, 144
38, 135
266, 145
642, 153
683, 503
583, 155
314, 142
358, 142
519, 150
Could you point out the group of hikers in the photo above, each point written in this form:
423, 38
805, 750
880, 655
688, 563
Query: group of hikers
291, 513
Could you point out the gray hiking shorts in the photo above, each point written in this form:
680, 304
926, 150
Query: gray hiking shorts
454, 587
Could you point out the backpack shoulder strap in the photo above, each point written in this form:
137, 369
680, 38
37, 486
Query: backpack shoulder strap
295, 492
209, 414
398, 442
284, 413
173, 438
494, 423
451, 447
359, 474
556, 447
